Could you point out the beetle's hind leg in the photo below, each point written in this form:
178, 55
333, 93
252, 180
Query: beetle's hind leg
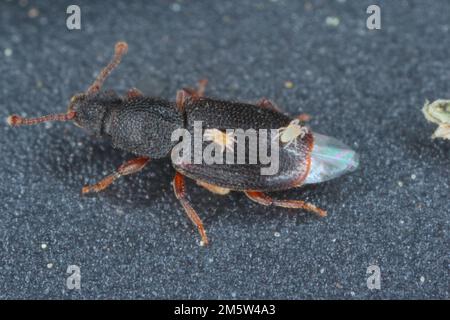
129, 167
180, 192
265, 200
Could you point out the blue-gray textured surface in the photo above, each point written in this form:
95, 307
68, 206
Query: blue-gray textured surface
134, 240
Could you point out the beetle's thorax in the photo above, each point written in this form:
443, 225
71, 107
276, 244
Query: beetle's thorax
143, 126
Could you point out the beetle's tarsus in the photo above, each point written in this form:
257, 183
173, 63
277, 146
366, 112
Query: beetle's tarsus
264, 199
129, 167
180, 192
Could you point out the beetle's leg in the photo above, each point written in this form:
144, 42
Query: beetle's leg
193, 94
200, 91
180, 192
303, 117
266, 200
213, 188
268, 104
119, 51
134, 93
182, 96
129, 167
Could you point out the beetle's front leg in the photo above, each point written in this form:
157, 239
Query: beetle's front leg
180, 192
265, 200
129, 167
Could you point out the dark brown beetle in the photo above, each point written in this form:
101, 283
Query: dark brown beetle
144, 126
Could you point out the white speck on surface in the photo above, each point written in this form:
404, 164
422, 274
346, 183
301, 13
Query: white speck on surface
43, 246
33, 12
277, 234
352, 293
322, 270
233, 294
422, 279
49, 265
400, 183
413, 177
176, 7
402, 222
332, 21
288, 84
8, 52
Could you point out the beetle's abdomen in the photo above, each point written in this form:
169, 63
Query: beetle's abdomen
293, 160
144, 126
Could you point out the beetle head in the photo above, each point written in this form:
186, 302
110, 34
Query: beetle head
90, 110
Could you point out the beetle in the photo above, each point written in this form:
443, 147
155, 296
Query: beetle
145, 125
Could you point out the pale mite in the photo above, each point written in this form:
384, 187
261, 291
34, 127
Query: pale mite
288, 134
224, 140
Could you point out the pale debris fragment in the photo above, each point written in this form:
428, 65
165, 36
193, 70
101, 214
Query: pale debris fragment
438, 112
332, 21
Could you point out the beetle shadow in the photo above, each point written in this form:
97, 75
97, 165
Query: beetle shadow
90, 159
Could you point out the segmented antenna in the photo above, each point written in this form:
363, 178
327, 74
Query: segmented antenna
120, 50
15, 120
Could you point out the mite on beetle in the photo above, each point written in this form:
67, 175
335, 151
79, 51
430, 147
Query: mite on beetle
144, 126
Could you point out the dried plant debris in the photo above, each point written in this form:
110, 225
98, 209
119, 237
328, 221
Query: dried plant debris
439, 112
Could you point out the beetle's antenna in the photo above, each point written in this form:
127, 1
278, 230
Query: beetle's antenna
120, 50
15, 120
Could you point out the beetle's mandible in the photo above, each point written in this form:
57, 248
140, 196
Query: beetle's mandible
144, 126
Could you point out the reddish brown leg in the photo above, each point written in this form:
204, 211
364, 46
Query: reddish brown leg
129, 167
265, 200
185, 93
304, 117
182, 95
180, 193
134, 93
119, 51
266, 103
213, 188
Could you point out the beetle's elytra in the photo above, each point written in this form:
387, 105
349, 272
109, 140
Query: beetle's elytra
144, 126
